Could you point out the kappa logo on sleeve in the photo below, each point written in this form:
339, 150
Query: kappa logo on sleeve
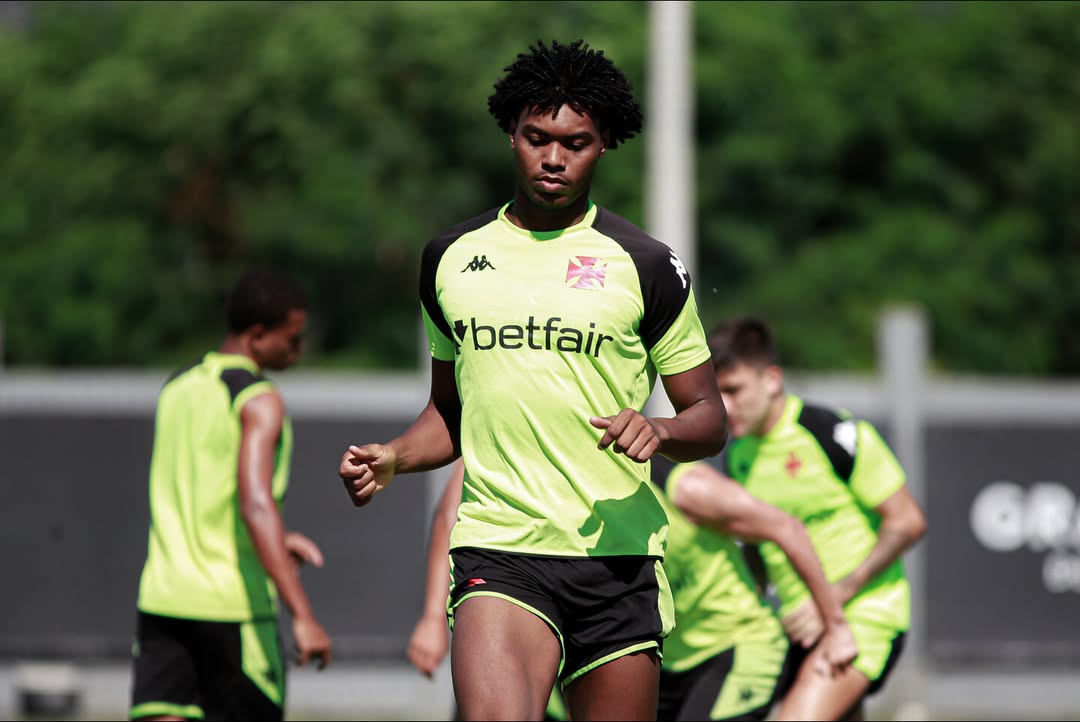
680, 269
846, 435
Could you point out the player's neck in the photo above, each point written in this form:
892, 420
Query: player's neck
776, 410
524, 214
236, 345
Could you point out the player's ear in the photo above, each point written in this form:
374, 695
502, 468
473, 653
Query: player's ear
773, 378
513, 132
605, 140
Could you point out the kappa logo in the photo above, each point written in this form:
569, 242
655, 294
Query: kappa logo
478, 263
680, 269
846, 435
586, 272
474, 581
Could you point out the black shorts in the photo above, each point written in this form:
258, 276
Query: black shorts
600, 608
207, 670
718, 689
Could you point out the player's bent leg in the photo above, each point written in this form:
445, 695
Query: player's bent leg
624, 688
503, 659
816, 696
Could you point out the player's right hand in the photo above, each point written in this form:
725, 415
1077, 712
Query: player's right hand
312, 642
366, 470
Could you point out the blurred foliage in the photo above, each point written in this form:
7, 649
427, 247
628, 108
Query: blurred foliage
849, 155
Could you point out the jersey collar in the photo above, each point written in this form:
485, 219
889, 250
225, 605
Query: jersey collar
586, 222
232, 359
792, 407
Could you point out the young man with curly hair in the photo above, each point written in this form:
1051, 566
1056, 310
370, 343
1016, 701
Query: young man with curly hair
548, 320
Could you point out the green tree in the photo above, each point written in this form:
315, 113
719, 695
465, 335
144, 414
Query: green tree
849, 155
855, 154
163, 147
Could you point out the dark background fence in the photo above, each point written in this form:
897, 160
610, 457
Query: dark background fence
993, 460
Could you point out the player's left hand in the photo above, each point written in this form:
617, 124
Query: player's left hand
836, 650
303, 550
429, 643
804, 626
629, 432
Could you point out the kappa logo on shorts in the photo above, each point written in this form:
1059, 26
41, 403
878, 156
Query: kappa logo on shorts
474, 581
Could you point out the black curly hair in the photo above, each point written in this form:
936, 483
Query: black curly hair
575, 75
263, 296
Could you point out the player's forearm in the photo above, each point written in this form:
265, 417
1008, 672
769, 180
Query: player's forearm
430, 443
697, 432
790, 535
267, 533
891, 543
438, 567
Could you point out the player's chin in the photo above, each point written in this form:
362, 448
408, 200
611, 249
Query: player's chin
550, 201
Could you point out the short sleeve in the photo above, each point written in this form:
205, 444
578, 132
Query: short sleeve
877, 474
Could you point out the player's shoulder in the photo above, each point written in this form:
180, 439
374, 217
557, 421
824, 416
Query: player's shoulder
835, 430
815, 416
238, 379
627, 234
445, 238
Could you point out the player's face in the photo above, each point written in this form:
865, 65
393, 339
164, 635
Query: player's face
752, 395
556, 156
278, 348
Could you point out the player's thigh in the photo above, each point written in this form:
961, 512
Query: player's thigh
164, 675
504, 658
817, 696
624, 688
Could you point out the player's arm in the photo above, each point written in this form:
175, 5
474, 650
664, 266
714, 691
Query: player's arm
261, 420
432, 441
902, 524
698, 429
430, 638
710, 499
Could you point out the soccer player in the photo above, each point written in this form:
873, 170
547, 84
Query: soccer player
837, 475
207, 640
728, 656
549, 319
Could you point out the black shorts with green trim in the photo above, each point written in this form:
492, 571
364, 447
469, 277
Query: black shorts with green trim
600, 608
207, 670
741, 684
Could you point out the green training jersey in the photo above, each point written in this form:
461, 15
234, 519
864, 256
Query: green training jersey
829, 470
547, 330
717, 605
200, 561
